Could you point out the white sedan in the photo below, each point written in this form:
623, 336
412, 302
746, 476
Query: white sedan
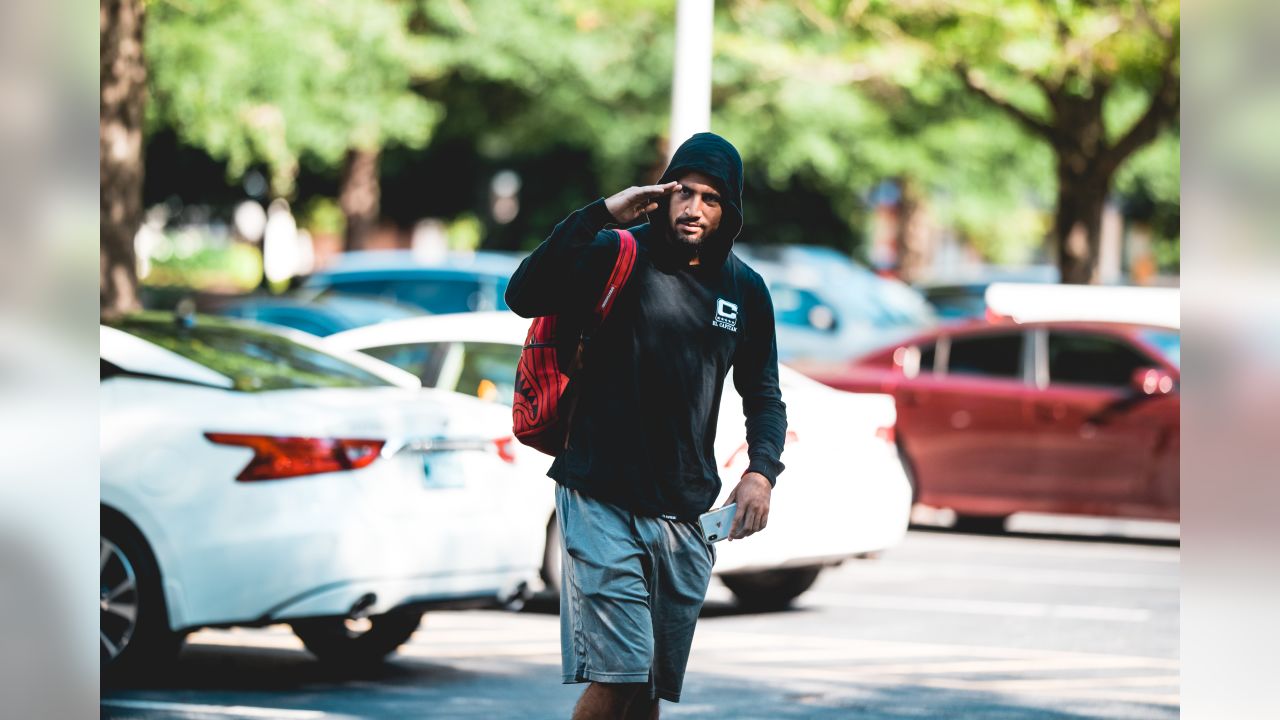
844, 492
251, 477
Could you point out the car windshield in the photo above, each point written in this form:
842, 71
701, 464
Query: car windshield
436, 295
1168, 342
254, 359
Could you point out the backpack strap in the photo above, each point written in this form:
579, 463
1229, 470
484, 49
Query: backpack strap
622, 268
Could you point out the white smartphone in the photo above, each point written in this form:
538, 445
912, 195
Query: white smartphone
716, 523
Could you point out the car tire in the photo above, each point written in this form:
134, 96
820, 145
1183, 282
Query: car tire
771, 589
347, 642
551, 558
980, 524
133, 630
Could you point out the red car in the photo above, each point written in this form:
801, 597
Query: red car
1055, 417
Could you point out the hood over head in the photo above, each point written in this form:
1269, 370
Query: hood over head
718, 159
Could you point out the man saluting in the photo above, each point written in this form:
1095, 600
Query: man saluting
638, 467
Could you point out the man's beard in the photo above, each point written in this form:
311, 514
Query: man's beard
685, 242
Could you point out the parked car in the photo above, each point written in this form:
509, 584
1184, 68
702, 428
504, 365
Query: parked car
1056, 417
250, 477
321, 316
844, 492
829, 308
963, 297
1027, 302
452, 283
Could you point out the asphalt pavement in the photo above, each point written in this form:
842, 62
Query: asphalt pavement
1026, 625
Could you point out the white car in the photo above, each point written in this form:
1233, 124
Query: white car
251, 477
844, 492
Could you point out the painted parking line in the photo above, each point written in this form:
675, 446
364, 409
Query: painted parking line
906, 571
946, 546
1000, 608
238, 711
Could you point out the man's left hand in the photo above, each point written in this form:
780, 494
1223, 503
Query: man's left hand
752, 495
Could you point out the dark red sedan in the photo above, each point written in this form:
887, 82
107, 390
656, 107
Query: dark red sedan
1055, 417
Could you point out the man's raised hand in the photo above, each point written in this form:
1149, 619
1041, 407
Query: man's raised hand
633, 202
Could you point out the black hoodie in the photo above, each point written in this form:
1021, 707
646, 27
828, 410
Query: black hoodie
644, 429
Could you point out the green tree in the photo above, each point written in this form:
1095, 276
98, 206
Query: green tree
269, 83
809, 96
1094, 81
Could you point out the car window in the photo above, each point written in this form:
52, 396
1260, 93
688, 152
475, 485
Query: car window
958, 305
927, 355
489, 371
991, 355
1169, 342
291, 318
254, 359
438, 296
802, 308
1092, 359
422, 359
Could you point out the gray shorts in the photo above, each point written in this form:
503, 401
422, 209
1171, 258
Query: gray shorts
630, 592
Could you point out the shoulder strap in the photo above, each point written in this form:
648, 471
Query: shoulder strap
622, 268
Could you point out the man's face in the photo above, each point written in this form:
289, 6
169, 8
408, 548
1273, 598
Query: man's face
696, 209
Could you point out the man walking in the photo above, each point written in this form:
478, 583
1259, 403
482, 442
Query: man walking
639, 464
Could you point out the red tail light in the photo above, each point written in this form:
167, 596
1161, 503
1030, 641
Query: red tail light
506, 448
886, 434
282, 457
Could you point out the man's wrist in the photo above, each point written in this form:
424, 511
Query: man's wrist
600, 215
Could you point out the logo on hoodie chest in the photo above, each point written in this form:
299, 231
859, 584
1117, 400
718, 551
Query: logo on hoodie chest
726, 315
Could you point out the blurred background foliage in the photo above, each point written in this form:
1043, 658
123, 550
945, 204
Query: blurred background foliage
941, 102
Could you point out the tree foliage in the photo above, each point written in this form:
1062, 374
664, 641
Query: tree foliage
978, 103
265, 83
1094, 80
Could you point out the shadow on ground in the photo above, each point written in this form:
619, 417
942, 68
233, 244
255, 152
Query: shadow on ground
290, 681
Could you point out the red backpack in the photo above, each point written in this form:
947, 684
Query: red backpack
541, 411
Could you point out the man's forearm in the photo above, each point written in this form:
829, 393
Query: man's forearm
540, 286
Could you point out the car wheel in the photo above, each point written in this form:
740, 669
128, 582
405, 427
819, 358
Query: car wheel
352, 641
133, 627
771, 589
984, 524
551, 558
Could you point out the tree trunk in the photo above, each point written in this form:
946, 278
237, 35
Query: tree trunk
914, 250
359, 197
1077, 226
123, 77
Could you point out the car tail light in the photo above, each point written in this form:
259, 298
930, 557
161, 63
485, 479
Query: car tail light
506, 448
276, 457
886, 433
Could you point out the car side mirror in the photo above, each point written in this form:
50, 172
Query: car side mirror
1151, 381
